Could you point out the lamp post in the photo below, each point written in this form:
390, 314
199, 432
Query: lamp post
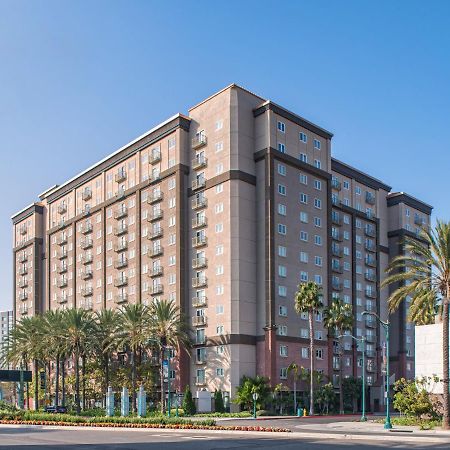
385, 324
168, 382
363, 349
255, 397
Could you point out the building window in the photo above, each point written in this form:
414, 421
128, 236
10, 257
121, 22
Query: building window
303, 236
318, 261
318, 185
282, 189
303, 257
303, 137
281, 148
282, 251
282, 311
317, 163
304, 198
281, 229
317, 239
282, 169
283, 351
282, 330
282, 271
282, 291
281, 209
318, 222
281, 126
319, 353
318, 203
303, 157
304, 217
303, 276
303, 178
305, 353
316, 144
283, 373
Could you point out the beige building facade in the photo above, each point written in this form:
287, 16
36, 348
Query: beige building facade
224, 210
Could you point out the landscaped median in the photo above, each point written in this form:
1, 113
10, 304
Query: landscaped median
32, 418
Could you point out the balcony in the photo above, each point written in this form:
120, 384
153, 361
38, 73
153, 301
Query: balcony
370, 322
198, 183
336, 184
86, 274
199, 302
120, 176
61, 224
86, 228
372, 262
370, 247
23, 283
23, 230
419, 220
156, 271
86, 243
87, 291
23, 295
371, 367
336, 219
62, 239
155, 251
370, 294
337, 286
200, 340
87, 258
198, 321
199, 202
336, 250
199, 222
335, 201
370, 231
121, 212
121, 246
121, 281
155, 215
23, 309
62, 208
198, 282
337, 236
200, 360
23, 270
87, 305
62, 282
86, 194
370, 353
23, 257
370, 198
121, 298
337, 267
369, 276
199, 263
371, 338
61, 299
154, 177
199, 141
155, 233
199, 241
155, 197
199, 162
62, 254
62, 268
121, 229
154, 157
156, 289
121, 263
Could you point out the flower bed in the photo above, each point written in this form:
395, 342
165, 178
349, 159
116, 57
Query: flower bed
173, 426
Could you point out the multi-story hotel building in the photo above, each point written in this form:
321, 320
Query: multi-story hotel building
6, 324
225, 210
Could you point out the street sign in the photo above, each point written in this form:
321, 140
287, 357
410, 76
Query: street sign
14, 375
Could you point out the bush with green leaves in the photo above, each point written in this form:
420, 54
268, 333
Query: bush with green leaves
219, 407
188, 402
250, 386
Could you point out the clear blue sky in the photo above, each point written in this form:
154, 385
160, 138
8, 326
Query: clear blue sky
80, 79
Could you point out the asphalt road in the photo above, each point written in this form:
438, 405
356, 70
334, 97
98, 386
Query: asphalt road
44, 438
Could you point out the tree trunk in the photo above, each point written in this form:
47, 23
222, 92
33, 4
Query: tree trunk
63, 382
133, 380
106, 367
295, 395
57, 382
311, 357
36, 385
161, 374
77, 384
28, 395
445, 327
341, 392
83, 380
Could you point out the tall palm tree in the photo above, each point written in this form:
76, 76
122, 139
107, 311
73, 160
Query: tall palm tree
106, 327
26, 345
78, 331
170, 329
295, 370
422, 273
134, 334
338, 318
308, 299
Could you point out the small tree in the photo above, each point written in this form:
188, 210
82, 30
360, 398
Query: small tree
351, 387
248, 386
325, 397
188, 402
219, 407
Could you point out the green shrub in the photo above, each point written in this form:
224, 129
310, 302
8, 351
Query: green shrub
241, 414
219, 407
188, 402
5, 406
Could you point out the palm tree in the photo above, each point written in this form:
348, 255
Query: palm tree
169, 328
338, 318
308, 299
422, 273
134, 334
106, 327
26, 345
295, 370
78, 331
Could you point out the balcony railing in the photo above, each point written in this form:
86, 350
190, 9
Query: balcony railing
86, 228
370, 353
199, 321
155, 197
62, 268
23, 257
120, 176
336, 184
154, 177
62, 254
199, 241
156, 271
372, 262
199, 162
121, 263
62, 239
336, 251
199, 141
23, 282
200, 381
86, 274
156, 289
62, 208
369, 231
122, 229
419, 220
23, 230
370, 247
155, 233
62, 282
199, 222
337, 286
335, 201
200, 340
198, 183
337, 236
23, 295
200, 360
199, 302
87, 291
155, 215
336, 219
199, 282
86, 194
371, 323
121, 246
370, 276
370, 294
23, 309
154, 157
86, 243
87, 258
198, 263
155, 251
121, 281
121, 212
338, 268
371, 338
121, 298
23, 270
370, 198
199, 202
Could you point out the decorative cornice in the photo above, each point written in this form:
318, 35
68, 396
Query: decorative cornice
32, 209
401, 233
400, 197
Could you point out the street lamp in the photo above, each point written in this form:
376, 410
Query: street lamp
387, 423
255, 397
363, 348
